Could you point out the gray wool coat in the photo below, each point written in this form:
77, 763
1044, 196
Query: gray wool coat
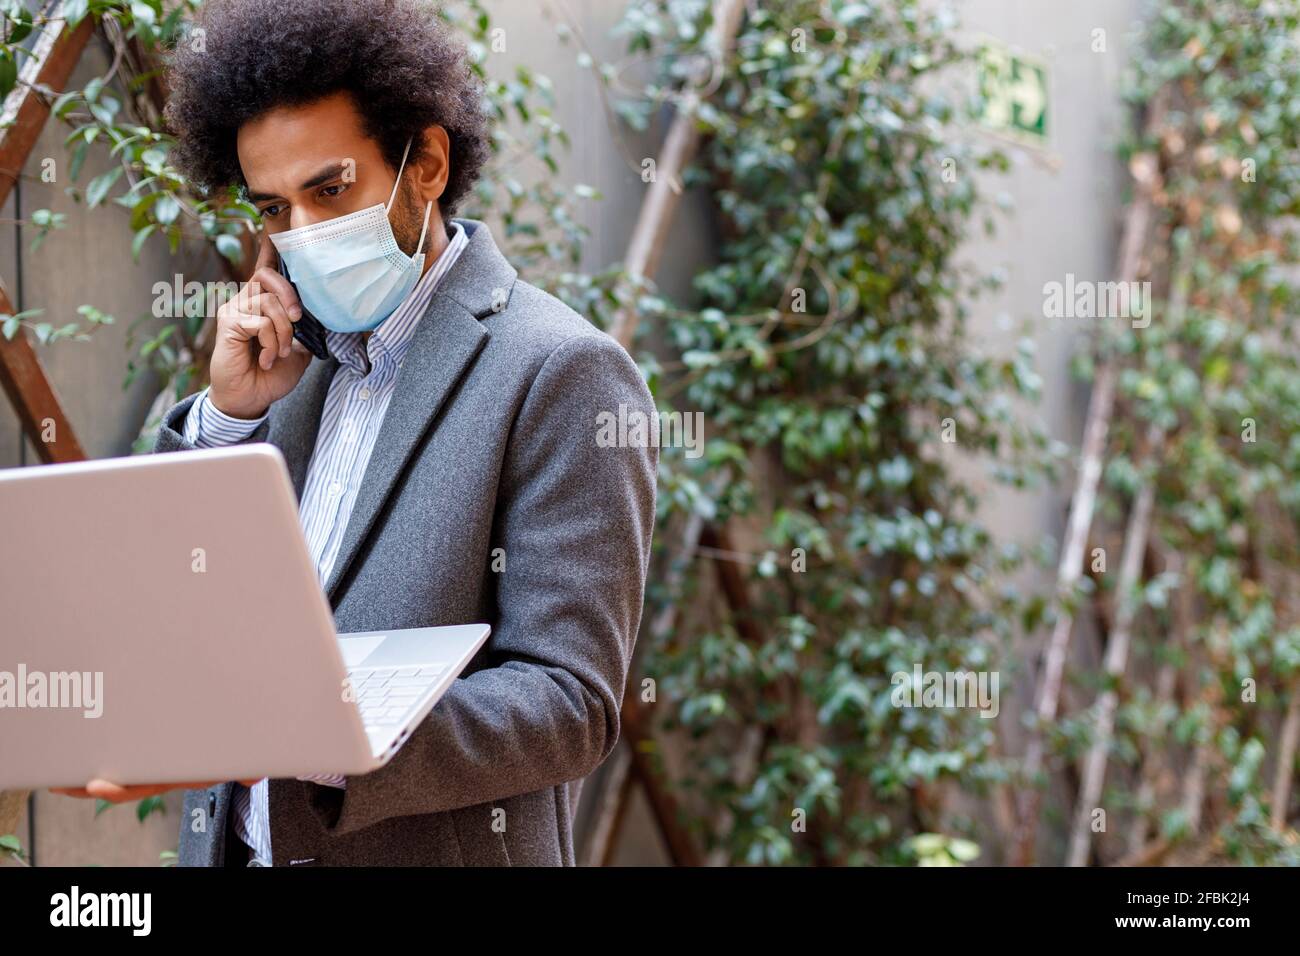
490, 441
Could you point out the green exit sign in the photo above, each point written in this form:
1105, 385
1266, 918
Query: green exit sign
1013, 89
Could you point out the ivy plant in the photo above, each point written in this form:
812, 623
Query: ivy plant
1216, 378
848, 411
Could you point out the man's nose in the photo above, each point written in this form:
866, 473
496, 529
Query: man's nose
300, 216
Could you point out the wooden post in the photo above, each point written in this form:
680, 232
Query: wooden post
1130, 575
54, 56
1137, 227
650, 234
645, 248
33, 397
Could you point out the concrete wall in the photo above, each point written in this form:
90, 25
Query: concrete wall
1066, 202
597, 158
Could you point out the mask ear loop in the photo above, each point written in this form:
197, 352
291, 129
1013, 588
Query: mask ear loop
428, 209
425, 228
398, 181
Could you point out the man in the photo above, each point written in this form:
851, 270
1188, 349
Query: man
444, 452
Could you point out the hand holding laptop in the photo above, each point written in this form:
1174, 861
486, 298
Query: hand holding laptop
122, 685
254, 315
113, 793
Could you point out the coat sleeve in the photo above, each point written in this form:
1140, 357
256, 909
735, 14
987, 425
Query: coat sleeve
575, 518
182, 430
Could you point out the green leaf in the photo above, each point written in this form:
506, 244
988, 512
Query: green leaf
143, 12
230, 247
147, 806
22, 27
167, 209
100, 185
925, 844
8, 73
78, 160
105, 110
64, 103
963, 850
153, 159
75, 10
94, 315
140, 236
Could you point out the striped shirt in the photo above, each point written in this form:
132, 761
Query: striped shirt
354, 410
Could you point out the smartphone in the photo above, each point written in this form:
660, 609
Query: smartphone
308, 330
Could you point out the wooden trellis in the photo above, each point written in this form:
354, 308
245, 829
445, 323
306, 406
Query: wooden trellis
649, 236
1138, 226
54, 55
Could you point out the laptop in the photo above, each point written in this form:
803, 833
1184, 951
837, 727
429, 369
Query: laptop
161, 621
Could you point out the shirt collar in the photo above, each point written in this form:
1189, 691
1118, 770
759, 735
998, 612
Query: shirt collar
389, 340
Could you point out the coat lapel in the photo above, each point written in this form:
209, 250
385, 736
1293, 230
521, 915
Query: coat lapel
297, 420
446, 341
443, 346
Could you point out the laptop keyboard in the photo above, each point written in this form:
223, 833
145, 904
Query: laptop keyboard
385, 695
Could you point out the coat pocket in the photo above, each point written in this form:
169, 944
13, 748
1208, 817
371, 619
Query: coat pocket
480, 833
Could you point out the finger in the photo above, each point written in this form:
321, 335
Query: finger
269, 280
266, 277
300, 354
244, 325
267, 256
269, 306
267, 340
115, 793
259, 328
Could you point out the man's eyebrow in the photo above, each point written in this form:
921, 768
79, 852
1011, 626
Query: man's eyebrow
325, 175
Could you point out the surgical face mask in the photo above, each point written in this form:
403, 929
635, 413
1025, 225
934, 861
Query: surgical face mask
349, 271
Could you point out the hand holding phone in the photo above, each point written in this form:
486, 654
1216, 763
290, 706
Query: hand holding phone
256, 359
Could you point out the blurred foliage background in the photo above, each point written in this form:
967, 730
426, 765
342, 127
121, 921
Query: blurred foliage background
827, 350
1203, 758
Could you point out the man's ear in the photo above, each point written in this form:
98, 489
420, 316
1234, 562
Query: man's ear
435, 165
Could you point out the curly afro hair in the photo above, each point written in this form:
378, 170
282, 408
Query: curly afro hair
403, 66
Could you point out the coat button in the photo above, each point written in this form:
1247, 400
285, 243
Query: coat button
212, 804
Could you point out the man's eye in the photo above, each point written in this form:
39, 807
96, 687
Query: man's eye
335, 189
270, 212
